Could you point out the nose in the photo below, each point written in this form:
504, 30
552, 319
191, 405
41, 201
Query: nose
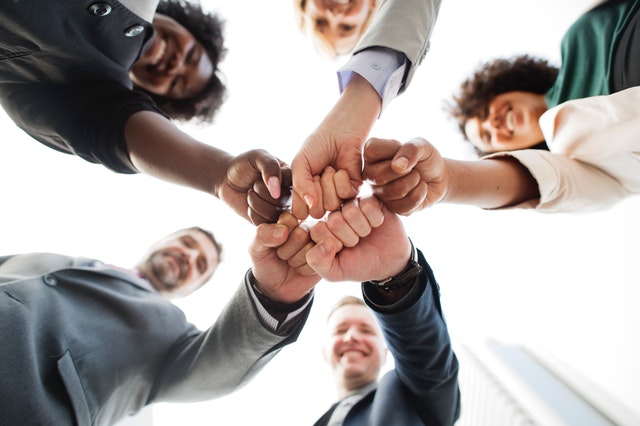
350, 335
176, 64
494, 126
190, 256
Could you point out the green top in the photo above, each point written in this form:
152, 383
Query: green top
587, 50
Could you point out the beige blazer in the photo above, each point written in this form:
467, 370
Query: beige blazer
404, 26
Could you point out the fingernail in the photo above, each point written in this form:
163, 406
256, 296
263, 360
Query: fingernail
308, 200
278, 232
274, 186
401, 163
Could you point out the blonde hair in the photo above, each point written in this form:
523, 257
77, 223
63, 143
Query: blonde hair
344, 301
321, 44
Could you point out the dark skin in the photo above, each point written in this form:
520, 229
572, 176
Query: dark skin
158, 148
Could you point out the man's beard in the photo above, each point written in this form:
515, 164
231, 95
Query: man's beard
164, 272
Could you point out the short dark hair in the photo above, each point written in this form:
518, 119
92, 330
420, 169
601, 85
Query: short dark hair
211, 237
207, 28
521, 73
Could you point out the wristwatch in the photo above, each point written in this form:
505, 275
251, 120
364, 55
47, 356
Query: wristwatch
407, 276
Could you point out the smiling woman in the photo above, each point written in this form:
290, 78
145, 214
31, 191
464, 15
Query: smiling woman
65, 80
180, 69
490, 89
334, 26
511, 123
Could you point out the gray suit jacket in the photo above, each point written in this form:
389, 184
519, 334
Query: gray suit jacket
88, 345
404, 26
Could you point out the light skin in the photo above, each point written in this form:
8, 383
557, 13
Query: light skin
278, 255
341, 23
176, 65
180, 263
336, 142
362, 241
280, 251
412, 176
512, 123
345, 252
354, 348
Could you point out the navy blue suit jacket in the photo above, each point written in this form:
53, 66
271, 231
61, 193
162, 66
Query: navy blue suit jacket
422, 389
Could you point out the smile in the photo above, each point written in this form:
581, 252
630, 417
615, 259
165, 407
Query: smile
162, 48
509, 121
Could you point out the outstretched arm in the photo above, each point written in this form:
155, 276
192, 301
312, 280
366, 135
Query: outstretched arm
337, 142
158, 148
412, 176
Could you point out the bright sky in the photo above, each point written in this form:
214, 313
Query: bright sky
566, 283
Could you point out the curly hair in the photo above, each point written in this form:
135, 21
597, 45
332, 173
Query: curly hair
521, 73
207, 28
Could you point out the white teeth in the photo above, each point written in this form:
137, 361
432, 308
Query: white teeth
341, 1
160, 52
509, 121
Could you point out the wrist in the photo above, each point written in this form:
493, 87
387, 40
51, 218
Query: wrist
273, 305
403, 279
357, 108
218, 174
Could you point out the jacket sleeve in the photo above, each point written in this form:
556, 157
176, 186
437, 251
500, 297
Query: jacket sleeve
404, 26
417, 336
4, 259
222, 359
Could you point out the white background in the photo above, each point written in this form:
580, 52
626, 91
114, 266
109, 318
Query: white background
566, 283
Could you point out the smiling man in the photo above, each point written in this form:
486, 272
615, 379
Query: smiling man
400, 306
181, 262
89, 343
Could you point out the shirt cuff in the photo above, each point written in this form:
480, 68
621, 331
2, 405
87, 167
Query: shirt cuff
269, 321
383, 68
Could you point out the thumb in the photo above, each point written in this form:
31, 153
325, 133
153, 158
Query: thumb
303, 186
322, 258
376, 149
408, 155
269, 168
268, 236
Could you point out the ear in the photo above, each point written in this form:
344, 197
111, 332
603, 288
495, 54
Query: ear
326, 355
383, 355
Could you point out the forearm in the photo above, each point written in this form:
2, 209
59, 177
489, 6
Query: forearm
355, 112
159, 149
490, 183
219, 361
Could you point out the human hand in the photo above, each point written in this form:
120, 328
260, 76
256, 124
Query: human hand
344, 251
256, 186
279, 264
318, 152
263, 208
406, 177
337, 142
